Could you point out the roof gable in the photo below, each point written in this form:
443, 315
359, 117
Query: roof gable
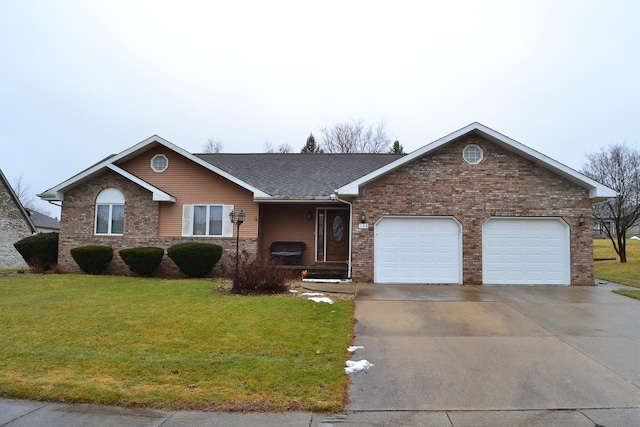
16, 201
111, 162
597, 191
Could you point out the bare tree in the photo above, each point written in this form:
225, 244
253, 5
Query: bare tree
212, 147
281, 149
355, 136
26, 198
617, 167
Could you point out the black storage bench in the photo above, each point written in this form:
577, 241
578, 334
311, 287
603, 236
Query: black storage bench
287, 252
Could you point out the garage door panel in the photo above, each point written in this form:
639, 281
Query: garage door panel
526, 251
417, 250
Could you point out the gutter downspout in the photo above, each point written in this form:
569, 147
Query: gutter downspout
335, 196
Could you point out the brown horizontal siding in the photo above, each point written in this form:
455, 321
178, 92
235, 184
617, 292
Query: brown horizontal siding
289, 223
191, 183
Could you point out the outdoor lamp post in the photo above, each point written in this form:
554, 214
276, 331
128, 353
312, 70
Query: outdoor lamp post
239, 219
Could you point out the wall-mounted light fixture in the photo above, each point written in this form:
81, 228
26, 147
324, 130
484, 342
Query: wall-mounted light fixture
309, 215
581, 220
363, 218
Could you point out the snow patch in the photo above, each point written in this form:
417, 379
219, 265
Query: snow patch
357, 366
312, 294
353, 348
322, 299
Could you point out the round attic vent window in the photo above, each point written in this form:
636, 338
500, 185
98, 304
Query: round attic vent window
472, 154
159, 163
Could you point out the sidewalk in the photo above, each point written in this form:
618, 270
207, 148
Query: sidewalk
24, 413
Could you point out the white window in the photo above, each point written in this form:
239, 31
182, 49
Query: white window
159, 163
207, 220
472, 154
110, 212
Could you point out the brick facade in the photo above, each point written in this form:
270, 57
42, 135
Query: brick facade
503, 185
140, 227
13, 227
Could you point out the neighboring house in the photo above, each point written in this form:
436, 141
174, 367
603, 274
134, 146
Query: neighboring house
15, 225
44, 223
600, 229
474, 207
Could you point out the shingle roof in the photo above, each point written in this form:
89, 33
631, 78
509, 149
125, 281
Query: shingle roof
43, 221
298, 176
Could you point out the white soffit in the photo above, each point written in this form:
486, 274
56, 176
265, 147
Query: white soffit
158, 195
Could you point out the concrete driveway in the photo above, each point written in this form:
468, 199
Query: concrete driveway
490, 348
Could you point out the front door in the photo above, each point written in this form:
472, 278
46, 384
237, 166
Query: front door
337, 235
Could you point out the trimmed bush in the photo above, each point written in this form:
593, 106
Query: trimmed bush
195, 259
258, 276
92, 259
142, 260
40, 250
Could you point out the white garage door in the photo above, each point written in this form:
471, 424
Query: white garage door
526, 251
417, 250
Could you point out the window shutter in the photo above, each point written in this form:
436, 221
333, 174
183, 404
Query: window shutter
227, 226
187, 218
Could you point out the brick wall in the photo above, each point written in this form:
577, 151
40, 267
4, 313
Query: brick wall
13, 227
503, 184
140, 227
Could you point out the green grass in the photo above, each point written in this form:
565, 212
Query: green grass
627, 273
13, 270
178, 344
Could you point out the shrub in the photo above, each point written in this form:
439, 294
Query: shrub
40, 250
195, 259
258, 276
92, 259
142, 260
37, 267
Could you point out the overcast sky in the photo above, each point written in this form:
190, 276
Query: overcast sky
84, 79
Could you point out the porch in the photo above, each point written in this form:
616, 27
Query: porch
319, 235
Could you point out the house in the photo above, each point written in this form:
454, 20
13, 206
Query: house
43, 223
15, 225
474, 207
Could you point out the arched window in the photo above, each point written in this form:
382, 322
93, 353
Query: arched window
110, 212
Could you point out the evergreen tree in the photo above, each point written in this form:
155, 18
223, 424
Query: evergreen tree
311, 147
397, 148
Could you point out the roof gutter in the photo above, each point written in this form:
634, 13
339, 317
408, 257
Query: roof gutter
335, 197
295, 200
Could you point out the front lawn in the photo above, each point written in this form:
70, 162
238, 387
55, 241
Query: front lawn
179, 344
627, 273
612, 270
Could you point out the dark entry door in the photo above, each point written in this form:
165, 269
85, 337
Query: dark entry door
337, 234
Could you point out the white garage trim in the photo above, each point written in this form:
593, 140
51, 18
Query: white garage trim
526, 251
417, 250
